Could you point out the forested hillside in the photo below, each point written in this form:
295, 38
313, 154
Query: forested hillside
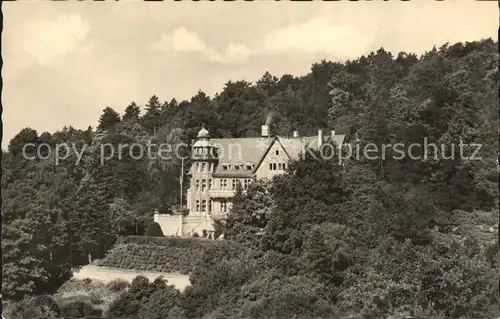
375, 237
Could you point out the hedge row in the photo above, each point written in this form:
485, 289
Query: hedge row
168, 241
152, 258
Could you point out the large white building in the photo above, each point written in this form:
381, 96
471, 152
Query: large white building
220, 164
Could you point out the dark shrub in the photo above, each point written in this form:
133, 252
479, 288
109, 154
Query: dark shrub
167, 241
79, 309
118, 285
128, 303
160, 303
46, 302
163, 254
95, 299
154, 230
31, 307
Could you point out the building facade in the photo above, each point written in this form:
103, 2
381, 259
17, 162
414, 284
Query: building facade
218, 165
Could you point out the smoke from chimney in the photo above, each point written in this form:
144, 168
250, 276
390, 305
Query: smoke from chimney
269, 118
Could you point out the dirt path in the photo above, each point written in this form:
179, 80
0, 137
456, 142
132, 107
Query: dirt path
105, 274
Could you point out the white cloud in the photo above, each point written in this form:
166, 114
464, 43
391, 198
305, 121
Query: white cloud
183, 40
238, 52
45, 41
318, 35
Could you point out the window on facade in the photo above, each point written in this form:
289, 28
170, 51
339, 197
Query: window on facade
279, 166
274, 166
209, 205
277, 152
197, 166
223, 183
210, 183
270, 166
203, 185
284, 166
203, 167
197, 205
235, 182
210, 167
245, 184
203, 205
197, 182
223, 206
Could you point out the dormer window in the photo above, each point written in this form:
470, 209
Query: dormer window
224, 167
249, 167
237, 167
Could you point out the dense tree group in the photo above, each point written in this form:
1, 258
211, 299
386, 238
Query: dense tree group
369, 237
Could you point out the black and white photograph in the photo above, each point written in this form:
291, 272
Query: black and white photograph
250, 159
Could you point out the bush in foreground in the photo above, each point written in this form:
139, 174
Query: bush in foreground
32, 307
118, 285
80, 309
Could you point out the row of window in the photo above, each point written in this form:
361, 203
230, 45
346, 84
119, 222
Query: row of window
201, 206
204, 184
277, 166
201, 184
201, 167
237, 167
212, 151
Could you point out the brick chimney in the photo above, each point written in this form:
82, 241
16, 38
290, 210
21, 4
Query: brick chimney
265, 130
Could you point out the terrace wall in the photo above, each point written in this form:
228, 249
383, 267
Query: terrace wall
183, 226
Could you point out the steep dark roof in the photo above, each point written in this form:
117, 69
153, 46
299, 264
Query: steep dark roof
252, 150
239, 151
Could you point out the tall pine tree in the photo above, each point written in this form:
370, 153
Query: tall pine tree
132, 112
108, 119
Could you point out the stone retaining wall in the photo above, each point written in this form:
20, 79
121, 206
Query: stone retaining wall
184, 226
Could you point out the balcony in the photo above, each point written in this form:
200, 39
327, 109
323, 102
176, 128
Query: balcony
221, 193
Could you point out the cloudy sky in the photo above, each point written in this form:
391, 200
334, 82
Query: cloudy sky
66, 61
